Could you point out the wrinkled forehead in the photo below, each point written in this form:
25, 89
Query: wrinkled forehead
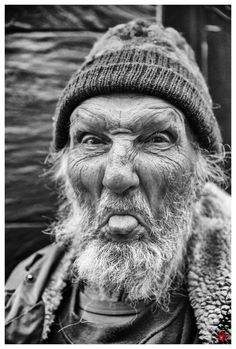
132, 111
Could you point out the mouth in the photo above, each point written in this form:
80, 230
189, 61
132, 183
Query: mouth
124, 226
138, 217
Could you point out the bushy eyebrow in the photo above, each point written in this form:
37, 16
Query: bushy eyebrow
136, 121
85, 116
161, 117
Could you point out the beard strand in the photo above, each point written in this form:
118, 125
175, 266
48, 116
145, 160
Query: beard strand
138, 271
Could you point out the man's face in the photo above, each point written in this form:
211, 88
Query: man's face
130, 169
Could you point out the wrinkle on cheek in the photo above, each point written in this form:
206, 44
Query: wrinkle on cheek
75, 170
179, 171
151, 180
85, 175
91, 177
163, 175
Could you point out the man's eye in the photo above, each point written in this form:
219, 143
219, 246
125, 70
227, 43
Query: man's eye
159, 138
91, 140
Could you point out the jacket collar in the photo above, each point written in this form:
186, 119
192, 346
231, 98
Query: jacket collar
209, 271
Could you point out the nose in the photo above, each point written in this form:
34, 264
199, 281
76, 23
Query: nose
120, 176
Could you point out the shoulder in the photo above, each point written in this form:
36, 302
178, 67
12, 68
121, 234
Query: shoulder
211, 227
20, 271
215, 203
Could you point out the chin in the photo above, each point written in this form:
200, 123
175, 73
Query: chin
139, 270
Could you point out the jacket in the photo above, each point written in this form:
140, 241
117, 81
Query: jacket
34, 289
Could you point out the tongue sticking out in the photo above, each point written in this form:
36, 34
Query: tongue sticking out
122, 224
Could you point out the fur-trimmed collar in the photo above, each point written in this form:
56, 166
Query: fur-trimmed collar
209, 273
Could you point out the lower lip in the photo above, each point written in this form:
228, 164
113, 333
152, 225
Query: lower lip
136, 234
123, 238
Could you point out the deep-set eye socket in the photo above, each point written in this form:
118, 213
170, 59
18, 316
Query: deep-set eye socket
90, 139
160, 138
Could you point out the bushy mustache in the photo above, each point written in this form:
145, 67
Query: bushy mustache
137, 205
133, 204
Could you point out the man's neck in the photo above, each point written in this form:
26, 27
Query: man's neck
91, 301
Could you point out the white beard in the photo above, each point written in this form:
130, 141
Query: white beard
137, 270
143, 269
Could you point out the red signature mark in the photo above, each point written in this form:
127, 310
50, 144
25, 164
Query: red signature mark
222, 336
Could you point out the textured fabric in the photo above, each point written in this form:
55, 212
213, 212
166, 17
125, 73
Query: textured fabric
208, 279
90, 303
150, 325
209, 276
144, 58
27, 299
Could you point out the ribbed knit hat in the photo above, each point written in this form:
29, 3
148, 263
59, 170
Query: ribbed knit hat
146, 58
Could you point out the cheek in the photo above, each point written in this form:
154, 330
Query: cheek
85, 175
161, 175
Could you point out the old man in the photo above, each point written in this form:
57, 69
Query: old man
141, 252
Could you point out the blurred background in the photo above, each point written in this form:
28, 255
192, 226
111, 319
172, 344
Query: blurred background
45, 44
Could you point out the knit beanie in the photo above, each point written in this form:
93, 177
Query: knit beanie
142, 57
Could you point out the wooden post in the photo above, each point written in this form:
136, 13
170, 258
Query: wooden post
159, 13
